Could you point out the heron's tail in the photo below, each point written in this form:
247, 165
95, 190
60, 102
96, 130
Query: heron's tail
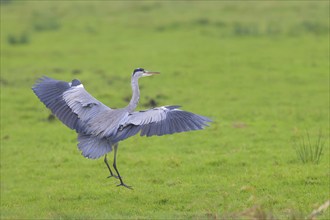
93, 147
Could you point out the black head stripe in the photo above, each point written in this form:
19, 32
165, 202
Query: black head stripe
75, 82
138, 70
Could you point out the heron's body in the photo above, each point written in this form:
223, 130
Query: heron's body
99, 127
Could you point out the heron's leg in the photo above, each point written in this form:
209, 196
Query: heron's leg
115, 166
106, 162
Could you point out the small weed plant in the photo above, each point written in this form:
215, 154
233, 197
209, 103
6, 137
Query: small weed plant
309, 150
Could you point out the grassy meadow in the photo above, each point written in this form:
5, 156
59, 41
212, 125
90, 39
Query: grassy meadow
259, 69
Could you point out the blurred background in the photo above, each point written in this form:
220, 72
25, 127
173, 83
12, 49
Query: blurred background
259, 69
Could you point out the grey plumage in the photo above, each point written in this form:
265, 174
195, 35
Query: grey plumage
99, 127
93, 147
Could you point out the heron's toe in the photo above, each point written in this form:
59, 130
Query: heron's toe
123, 184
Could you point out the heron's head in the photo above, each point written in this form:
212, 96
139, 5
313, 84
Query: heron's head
140, 72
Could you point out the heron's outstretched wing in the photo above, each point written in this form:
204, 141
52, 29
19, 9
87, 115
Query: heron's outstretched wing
70, 102
160, 121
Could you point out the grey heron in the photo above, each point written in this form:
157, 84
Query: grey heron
100, 127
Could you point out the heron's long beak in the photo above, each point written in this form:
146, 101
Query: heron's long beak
150, 73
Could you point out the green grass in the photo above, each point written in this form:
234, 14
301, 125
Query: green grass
260, 70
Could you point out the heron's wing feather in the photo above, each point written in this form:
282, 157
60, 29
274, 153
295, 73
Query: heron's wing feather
50, 92
83, 104
72, 104
161, 121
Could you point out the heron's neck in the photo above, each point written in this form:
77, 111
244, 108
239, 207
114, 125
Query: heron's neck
135, 96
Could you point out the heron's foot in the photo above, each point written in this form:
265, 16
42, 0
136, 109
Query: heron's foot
123, 184
111, 175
